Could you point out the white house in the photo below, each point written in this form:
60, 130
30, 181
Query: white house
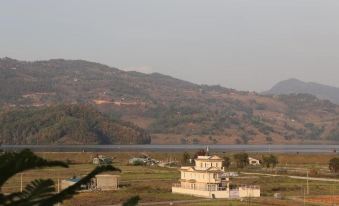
208, 179
252, 161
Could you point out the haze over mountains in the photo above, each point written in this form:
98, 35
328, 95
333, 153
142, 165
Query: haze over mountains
171, 110
295, 86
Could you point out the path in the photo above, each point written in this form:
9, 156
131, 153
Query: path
167, 202
295, 177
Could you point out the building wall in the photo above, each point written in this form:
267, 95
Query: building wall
200, 193
201, 176
199, 186
107, 182
249, 192
240, 193
205, 164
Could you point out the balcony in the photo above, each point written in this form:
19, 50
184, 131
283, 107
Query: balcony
204, 188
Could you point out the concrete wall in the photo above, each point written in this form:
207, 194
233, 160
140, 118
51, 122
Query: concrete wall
249, 192
200, 193
107, 182
243, 192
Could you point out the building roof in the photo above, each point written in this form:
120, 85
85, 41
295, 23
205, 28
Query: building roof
75, 180
214, 157
107, 175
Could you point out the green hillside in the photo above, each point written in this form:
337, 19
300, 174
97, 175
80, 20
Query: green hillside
66, 124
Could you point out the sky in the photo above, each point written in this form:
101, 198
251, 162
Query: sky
241, 44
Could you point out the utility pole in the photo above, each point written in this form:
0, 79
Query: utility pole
304, 197
58, 185
333, 194
21, 185
58, 189
308, 189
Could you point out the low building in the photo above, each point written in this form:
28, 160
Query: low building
253, 162
102, 182
106, 182
208, 179
102, 160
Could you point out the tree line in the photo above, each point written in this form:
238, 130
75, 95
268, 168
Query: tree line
240, 160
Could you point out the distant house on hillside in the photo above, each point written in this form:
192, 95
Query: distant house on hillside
253, 162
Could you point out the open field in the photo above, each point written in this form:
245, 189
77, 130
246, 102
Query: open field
325, 199
153, 184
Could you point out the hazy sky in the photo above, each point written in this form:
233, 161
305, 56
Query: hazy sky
242, 44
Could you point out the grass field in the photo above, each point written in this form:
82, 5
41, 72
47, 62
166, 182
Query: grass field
153, 184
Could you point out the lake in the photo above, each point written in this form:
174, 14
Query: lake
177, 148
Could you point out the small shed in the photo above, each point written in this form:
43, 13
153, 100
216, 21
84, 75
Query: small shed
105, 182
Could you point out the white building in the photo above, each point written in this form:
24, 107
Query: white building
252, 161
208, 179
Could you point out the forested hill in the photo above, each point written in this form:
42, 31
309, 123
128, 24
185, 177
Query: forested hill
66, 124
171, 110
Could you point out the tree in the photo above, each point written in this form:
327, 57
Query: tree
266, 161
274, 160
245, 138
241, 160
270, 161
226, 162
185, 158
40, 192
195, 141
199, 153
334, 165
269, 139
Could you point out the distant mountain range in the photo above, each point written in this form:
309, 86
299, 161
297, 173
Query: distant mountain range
295, 86
172, 111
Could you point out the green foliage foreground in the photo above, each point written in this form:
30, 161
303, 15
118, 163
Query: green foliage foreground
41, 192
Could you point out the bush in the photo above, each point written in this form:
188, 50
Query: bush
334, 165
241, 160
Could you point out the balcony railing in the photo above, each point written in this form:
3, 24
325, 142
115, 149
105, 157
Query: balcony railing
178, 185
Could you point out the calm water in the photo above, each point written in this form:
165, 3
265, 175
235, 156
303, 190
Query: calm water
176, 148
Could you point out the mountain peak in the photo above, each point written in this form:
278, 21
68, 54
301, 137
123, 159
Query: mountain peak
296, 86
